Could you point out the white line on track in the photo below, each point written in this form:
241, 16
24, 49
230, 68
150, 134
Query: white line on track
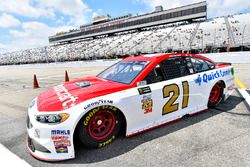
10, 159
246, 96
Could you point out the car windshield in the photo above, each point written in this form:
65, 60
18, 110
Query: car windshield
123, 71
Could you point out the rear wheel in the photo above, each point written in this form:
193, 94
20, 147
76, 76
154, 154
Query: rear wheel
216, 95
100, 126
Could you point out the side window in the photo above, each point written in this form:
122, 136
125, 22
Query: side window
154, 76
170, 68
199, 65
174, 67
210, 65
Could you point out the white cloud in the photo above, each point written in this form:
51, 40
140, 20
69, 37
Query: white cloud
7, 20
24, 8
76, 9
2, 46
32, 35
215, 7
99, 12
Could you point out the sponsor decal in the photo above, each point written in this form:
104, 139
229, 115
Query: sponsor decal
96, 103
61, 141
65, 97
95, 110
144, 90
59, 138
60, 132
210, 76
232, 71
62, 149
147, 104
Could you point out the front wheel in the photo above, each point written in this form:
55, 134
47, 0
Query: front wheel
216, 95
100, 126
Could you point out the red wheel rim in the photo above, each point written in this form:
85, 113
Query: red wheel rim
101, 125
215, 94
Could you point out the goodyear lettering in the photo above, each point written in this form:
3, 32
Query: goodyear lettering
92, 112
99, 102
107, 142
207, 77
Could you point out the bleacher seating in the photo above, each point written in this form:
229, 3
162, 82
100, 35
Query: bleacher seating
217, 32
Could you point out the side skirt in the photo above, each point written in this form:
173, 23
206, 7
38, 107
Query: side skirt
165, 123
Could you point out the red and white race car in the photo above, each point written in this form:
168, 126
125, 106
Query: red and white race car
135, 94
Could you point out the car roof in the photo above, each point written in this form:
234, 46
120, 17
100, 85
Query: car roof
160, 56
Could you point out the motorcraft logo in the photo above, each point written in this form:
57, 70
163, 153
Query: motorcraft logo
65, 97
207, 77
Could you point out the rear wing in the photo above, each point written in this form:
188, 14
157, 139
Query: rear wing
223, 64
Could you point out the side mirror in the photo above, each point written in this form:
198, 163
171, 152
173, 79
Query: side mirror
141, 83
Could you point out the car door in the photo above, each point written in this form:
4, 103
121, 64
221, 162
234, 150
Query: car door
173, 90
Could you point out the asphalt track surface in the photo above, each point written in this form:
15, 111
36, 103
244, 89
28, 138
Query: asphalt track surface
216, 137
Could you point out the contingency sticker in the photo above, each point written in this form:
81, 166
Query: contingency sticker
144, 90
147, 104
61, 140
62, 149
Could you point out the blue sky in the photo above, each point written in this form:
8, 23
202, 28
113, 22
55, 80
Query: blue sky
28, 23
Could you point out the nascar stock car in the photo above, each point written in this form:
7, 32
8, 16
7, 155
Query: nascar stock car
136, 94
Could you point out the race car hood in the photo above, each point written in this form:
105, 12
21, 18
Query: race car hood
71, 93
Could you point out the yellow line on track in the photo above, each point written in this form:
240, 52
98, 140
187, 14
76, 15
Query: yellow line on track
239, 83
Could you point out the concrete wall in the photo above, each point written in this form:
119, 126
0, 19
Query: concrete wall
231, 57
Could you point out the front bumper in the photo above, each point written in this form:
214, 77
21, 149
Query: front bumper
44, 156
49, 142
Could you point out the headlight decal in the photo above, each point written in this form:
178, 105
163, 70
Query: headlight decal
52, 118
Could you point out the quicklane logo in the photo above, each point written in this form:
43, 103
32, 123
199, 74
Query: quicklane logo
207, 77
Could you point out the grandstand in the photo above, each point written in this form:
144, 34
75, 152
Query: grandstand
103, 25
210, 35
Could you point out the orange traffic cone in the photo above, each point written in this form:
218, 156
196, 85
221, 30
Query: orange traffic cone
66, 78
35, 82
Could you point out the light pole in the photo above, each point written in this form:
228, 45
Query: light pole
214, 37
243, 32
202, 41
46, 54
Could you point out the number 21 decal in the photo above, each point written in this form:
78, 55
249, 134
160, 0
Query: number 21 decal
174, 89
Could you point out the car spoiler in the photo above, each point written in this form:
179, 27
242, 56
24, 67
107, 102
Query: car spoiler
223, 64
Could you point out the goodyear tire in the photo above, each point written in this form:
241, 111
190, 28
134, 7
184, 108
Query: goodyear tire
216, 95
100, 126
